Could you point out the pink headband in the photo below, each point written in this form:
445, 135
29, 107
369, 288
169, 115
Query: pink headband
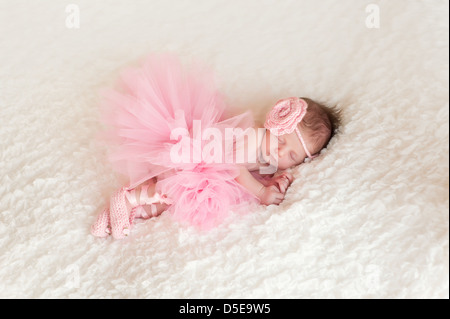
285, 116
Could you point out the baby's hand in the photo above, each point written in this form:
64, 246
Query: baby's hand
271, 195
282, 181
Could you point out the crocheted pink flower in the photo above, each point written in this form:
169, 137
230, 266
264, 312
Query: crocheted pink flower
285, 115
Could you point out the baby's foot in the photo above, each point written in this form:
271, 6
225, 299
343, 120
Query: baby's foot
102, 227
120, 216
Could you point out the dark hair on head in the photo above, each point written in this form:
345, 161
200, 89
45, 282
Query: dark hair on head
320, 124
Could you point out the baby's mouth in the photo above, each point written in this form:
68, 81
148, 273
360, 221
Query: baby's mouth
267, 157
270, 158
270, 155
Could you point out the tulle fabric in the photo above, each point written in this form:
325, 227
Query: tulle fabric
150, 102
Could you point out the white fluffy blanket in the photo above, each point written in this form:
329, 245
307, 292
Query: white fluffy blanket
369, 219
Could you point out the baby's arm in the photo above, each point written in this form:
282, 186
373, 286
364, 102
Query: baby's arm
267, 194
282, 179
247, 180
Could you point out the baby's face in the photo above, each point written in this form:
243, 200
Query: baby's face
283, 151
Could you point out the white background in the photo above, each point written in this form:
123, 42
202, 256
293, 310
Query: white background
369, 219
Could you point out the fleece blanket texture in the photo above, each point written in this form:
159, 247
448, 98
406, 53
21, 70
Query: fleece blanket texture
367, 219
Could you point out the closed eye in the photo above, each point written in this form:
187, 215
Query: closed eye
293, 156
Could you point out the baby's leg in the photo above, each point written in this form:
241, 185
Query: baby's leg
125, 205
134, 199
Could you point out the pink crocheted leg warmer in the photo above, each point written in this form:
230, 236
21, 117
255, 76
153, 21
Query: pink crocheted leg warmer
101, 227
121, 221
115, 219
119, 217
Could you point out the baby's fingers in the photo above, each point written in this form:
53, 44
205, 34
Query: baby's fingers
289, 176
278, 201
278, 198
283, 183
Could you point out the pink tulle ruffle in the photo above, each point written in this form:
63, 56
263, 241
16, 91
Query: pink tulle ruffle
148, 104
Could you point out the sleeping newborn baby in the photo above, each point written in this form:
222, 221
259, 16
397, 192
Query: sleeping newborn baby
296, 129
164, 126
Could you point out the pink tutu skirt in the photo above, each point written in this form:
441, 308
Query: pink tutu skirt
159, 121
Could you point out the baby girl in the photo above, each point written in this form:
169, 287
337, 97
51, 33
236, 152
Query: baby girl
161, 97
296, 129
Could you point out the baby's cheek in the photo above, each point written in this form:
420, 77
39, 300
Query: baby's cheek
283, 164
263, 145
273, 145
